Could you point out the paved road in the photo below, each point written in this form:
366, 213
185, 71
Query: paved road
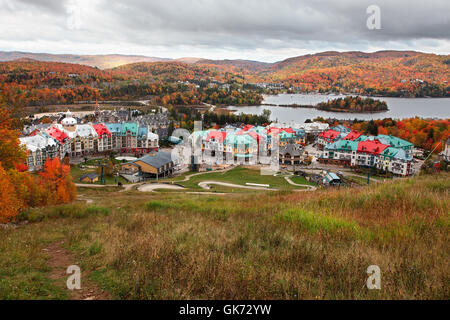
206, 185
186, 178
309, 188
151, 187
93, 185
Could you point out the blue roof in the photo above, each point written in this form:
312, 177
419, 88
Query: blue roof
142, 131
330, 176
114, 127
157, 160
174, 140
341, 128
402, 155
91, 176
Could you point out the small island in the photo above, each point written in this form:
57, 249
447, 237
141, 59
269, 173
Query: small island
353, 104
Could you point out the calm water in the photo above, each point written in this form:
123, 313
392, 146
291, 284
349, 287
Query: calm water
398, 108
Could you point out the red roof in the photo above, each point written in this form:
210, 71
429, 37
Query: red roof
288, 130
247, 127
329, 134
353, 135
273, 130
217, 135
254, 135
371, 147
101, 130
57, 134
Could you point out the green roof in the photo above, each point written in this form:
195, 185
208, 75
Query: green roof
389, 152
396, 142
362, 138
239, 139
286, 135
130, 126
347, 145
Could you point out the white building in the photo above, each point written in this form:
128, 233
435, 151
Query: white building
40, 147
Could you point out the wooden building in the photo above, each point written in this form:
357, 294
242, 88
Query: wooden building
152, 166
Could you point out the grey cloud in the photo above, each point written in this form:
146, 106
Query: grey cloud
234, 24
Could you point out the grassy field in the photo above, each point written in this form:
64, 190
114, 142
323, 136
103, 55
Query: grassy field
271, 245
240, 176
77, 172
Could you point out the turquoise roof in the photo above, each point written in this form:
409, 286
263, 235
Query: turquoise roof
130, 126
299, 132
389, 152
239, 139
396, 142
258, 129
362, 138
286, 135
342, 145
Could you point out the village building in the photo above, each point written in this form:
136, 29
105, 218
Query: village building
146, 140
62, 138
103, 143
291, 154
382, 152
40, 147
89, 178
116, 135
151, 166
329, 136
331, 179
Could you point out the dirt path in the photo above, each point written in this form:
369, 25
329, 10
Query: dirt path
59, 260
83, 198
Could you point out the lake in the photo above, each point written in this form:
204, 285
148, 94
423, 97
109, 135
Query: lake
398, 108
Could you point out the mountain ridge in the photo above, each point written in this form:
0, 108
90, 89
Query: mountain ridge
108, 61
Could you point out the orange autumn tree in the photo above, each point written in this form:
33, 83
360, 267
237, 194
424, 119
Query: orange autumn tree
18, 188
10, 154
10, 151
57, 181
10, 204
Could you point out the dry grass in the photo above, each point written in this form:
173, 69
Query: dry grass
280, 245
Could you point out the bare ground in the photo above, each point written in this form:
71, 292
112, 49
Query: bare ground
59, 260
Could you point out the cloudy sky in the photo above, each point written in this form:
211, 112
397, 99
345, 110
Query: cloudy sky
265, 30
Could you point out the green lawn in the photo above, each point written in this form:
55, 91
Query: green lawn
239, 176
302, 180
77, 172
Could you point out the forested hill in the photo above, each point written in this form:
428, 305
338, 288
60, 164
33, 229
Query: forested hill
386, 73
391, 73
